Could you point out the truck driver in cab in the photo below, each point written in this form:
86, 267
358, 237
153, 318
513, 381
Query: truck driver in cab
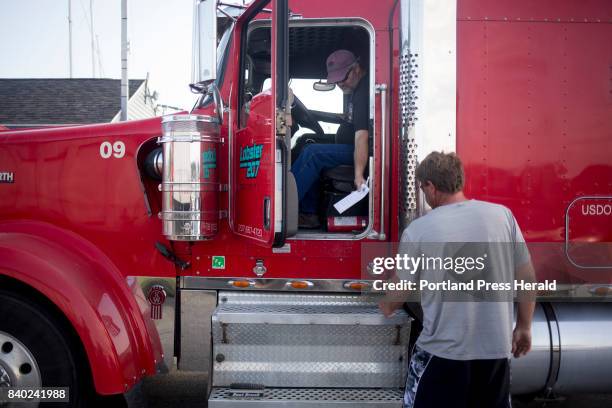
344, 70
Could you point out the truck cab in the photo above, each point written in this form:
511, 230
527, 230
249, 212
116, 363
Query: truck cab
113, 233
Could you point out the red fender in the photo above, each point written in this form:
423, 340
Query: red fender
120, 341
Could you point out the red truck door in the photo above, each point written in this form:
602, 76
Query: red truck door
258, 157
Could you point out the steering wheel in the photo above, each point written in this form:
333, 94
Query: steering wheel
304, 117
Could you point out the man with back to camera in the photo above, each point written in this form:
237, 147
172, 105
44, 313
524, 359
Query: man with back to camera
344, 70
461, 358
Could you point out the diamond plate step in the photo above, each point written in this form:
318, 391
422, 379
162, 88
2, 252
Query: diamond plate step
220, 397
307, 341
302, 309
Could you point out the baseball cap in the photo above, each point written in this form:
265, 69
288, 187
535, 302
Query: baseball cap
338, 64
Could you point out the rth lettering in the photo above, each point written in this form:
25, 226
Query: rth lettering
7, 177
597, 209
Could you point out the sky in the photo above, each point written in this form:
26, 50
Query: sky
34, 42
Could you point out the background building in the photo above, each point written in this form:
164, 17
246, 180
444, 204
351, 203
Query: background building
31, 103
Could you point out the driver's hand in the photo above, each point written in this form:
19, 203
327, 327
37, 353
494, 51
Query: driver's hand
359, 181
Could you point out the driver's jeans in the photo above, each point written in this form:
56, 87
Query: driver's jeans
307, 169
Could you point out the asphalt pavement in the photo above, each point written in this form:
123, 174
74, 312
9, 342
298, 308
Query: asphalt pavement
188, 390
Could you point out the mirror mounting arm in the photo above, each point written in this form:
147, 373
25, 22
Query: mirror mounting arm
226, 14
209, 88
214, 91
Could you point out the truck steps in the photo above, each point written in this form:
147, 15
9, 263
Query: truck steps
307, 350
310, 397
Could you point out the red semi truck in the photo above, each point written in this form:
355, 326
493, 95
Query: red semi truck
200, 208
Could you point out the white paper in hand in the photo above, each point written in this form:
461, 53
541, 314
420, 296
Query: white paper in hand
353, 198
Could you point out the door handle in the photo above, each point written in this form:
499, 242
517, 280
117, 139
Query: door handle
266, 213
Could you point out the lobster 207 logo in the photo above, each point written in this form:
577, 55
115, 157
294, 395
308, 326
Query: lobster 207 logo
249, 159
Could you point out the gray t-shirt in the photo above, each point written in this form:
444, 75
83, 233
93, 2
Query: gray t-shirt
476, 329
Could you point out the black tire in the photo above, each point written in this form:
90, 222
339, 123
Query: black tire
56, 354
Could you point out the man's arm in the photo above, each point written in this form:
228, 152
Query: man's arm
521, 337
393, 300
360, 156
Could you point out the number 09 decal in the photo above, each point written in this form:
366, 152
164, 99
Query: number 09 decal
117, 150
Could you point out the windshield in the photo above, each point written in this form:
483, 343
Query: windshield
221, 54
330, 101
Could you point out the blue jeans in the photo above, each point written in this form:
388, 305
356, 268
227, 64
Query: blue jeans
314, 159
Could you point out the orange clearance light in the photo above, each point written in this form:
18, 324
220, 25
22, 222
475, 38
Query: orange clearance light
242, 283
357, 286
605, 290
300, 285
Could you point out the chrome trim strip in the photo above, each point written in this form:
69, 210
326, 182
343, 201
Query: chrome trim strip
428, 90
382, 88
230, 163
410, 90
436, 128
565, 292
188, 118
220, 283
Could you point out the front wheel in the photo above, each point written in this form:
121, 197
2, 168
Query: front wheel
34, 352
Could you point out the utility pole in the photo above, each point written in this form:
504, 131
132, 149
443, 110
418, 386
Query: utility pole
124, 69
100, 69
70, 37
91, 23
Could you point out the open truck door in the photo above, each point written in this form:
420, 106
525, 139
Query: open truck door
259, 155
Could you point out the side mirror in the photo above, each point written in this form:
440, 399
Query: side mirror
204, 41
323, 86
